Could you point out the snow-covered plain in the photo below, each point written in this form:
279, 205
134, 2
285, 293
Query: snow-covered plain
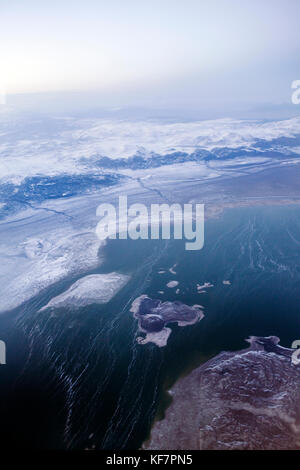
50, 240
72, 145
30, 261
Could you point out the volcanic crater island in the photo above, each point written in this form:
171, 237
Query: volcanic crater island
153, 315
244, 400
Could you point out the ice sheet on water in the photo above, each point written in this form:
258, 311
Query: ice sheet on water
92, 289
29, 266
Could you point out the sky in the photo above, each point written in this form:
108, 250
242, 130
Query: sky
152, 52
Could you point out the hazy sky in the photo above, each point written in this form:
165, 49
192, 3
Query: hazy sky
155, 52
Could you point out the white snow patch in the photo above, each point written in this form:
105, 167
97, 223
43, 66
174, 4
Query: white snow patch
172, 284
171, 270
36, 263
206, 285
159, 338
92, 289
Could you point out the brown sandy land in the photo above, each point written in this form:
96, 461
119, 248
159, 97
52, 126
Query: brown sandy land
248, 399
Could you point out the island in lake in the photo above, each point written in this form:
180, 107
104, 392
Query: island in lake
153, 315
